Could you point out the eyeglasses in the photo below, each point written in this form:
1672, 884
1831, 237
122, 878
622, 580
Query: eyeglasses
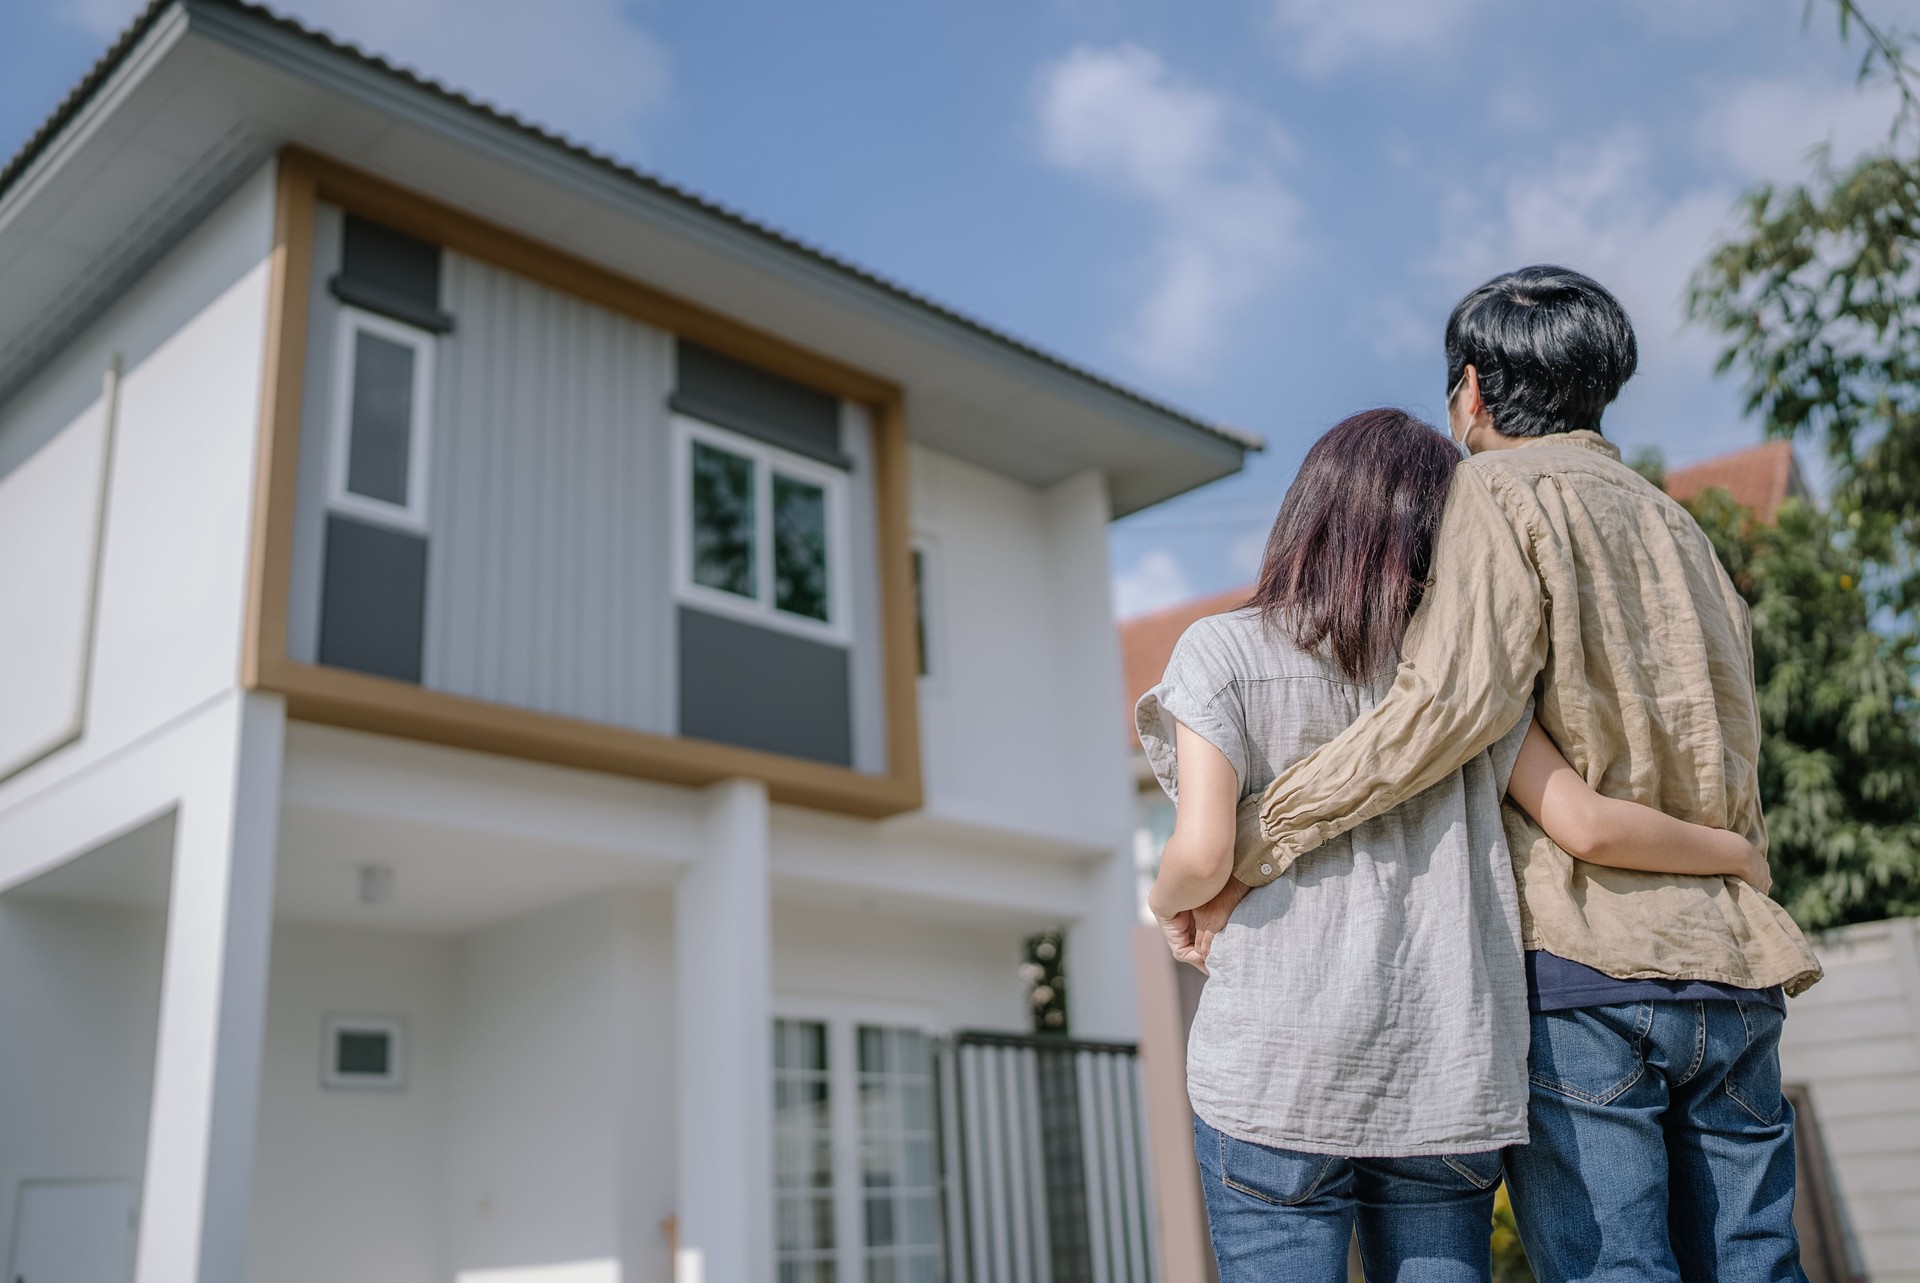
1454, 391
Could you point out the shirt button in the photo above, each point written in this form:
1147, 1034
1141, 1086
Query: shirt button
1266, 869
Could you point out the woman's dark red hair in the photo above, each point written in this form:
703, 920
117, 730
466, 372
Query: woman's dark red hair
1347, 561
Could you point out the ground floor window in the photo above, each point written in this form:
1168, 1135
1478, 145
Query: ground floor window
857, 1196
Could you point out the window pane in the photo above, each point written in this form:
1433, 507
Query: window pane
901, 1216
803, 1151
799, 547
380, 426
723, 520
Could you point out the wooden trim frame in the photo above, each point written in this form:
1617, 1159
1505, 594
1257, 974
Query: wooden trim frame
319, 693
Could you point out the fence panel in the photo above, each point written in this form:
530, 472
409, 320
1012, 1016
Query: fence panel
1050, 1162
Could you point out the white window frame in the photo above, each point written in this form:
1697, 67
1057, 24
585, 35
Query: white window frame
767, 459
413, 514
843, 1018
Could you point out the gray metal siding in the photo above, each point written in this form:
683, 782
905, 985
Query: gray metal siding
547, 585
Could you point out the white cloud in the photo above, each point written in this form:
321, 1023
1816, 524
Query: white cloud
1600, 206
1767, 129
582, 67
1205, 166
1155, 582
1319, 36
1597, 208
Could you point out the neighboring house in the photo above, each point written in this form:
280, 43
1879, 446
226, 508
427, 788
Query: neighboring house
1760, 478
535, 712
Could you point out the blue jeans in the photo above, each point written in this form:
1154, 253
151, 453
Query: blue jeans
1661, 1147
1276, 1214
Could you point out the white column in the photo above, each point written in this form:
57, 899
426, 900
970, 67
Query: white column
206, 1081
1099, 962
722, 922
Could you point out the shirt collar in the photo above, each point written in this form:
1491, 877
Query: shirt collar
1585, 439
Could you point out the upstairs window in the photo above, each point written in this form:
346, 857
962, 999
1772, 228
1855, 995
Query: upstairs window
381, 414
761, 532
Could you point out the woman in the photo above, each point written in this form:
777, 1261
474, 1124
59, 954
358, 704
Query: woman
1359, 1053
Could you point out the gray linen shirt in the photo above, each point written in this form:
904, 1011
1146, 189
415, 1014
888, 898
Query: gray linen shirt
1371, 1000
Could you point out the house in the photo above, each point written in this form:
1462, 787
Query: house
536, 714
1759, 478
1850, 1056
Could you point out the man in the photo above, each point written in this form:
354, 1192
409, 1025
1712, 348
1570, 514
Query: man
1661, 1147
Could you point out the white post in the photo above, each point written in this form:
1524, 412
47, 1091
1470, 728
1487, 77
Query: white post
1099, 961
206, 1082
722, 927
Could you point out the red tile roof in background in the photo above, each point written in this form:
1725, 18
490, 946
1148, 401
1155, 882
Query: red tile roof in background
1146, 643
1760, 479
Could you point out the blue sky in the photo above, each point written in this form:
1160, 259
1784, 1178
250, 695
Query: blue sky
1260, 210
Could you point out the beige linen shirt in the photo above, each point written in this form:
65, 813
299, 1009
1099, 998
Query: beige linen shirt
1563, 575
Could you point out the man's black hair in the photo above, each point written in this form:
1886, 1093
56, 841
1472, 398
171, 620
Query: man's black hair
1552, 348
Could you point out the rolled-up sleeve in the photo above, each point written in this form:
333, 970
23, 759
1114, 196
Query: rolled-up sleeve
1198, 691
1472, 654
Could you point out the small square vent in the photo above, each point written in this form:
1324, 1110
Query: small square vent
365, 1053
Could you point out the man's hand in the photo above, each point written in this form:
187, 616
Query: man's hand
1179, 931
1758, 874
1210, 919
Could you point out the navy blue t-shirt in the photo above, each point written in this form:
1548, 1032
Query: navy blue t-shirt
1558, 984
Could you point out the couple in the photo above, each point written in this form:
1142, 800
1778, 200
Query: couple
1391, 1024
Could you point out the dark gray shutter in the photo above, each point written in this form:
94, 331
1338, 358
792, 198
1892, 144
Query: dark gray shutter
373, 599
759, 687
750, 401
391, 273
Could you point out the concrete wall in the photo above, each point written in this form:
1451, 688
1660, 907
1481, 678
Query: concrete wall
1854, 1039
79, 1007
172, 578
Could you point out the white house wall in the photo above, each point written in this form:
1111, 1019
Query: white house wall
79, 1005
347, 1183
863, 959
561, 1115
1013, 727
172, 584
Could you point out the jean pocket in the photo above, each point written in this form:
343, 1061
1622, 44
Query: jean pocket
1590, 1053
1283, 1177
1753, 1079
1482, 1171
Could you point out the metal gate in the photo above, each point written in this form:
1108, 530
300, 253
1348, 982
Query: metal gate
1049, 1174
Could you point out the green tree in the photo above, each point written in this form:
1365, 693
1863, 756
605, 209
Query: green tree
1840, 746
1818, 298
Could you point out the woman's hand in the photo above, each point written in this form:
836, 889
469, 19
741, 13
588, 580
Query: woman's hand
1183, 939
